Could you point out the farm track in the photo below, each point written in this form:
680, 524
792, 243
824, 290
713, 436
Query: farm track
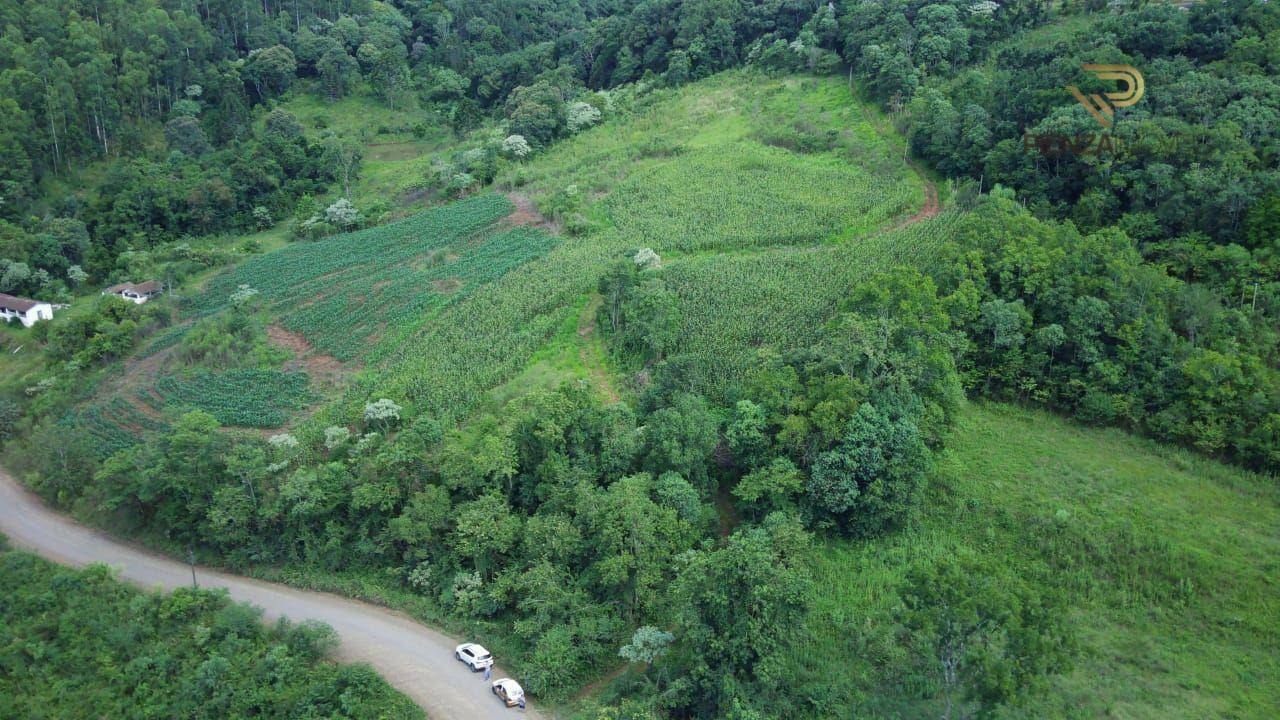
932, 205
586, 332
414, 659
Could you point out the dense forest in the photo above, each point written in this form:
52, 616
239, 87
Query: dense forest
674, 525
81, 644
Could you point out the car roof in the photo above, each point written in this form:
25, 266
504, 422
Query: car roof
509, 684
475, 648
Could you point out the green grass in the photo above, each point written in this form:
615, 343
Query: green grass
754, 196
1170, 562
575, 353
20, 356
399, 144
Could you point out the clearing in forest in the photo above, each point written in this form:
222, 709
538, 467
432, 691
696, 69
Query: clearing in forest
731, 167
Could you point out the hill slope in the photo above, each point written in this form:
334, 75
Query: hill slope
1169, 562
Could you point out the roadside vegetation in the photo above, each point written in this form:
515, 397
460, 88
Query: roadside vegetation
81, 644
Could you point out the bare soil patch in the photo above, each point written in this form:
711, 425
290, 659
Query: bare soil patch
319, 366
932, 206
446, 286
526, 213
415, 197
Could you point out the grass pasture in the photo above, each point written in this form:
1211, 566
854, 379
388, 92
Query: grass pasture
755, 196
1170, 562
398, 145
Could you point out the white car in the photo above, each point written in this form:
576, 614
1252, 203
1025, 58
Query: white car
474, 656
508, 691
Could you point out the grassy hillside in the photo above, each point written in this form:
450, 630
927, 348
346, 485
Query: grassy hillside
1169, 561
750, 187
730, 165
398, 145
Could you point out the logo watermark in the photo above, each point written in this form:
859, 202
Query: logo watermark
1101, 107
1098, 105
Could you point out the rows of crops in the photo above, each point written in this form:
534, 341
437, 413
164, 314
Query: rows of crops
472, 347
732, 304
164, 339
243, 398
348, 292
112, 425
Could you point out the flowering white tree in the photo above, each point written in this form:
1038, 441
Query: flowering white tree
646, 258
516, 146
382, 412
243, 295
342, 214
581, 116
283, 442
336, 436
647, 644
76, 274
285, 447
460, 183
985, 7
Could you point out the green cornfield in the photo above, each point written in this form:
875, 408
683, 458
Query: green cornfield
243, 398
112, 425
732, 304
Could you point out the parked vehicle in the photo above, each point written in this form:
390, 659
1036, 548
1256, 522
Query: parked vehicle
508, 691
474, 656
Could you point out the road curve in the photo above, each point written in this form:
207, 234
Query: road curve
414, 659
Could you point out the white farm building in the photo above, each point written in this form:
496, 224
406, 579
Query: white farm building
138, 294
28, 312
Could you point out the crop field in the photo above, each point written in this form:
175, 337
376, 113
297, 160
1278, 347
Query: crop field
734, 303
723, 143
348, 292
113, 424
243, 398
1169, 561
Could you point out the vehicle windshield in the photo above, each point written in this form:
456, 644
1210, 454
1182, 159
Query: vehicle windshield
484, 656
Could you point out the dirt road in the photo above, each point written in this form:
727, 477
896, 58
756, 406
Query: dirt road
416, 660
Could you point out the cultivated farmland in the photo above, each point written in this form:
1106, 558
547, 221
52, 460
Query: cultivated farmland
349, 292
243, 398
732, 304
113, 424
722, 169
